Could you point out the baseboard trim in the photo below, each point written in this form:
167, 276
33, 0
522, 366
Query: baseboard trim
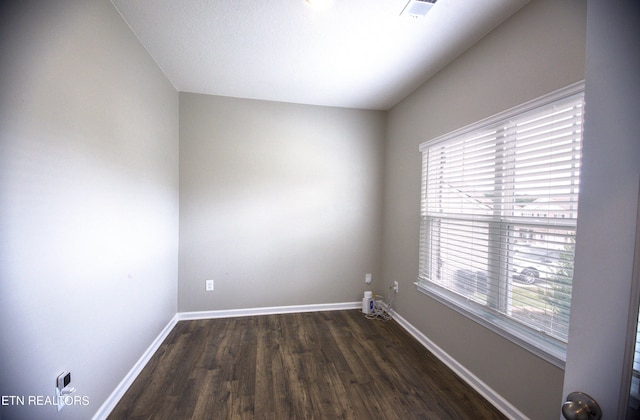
113, 399
483, 389
231, 313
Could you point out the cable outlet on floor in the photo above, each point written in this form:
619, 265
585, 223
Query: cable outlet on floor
209, 285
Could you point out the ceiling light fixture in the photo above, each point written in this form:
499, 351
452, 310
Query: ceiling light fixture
417, 8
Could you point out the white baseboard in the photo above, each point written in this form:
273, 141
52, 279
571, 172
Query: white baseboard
124, 385
483, 389
113, 399
231, 313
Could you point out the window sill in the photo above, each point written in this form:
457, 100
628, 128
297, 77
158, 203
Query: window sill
542, 346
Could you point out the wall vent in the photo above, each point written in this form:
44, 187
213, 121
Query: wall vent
417, 8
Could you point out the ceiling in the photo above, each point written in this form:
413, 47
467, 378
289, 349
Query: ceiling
352, 53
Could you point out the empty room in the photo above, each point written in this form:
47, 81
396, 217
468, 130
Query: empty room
303, 209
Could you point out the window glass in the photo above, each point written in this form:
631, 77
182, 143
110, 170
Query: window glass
499, 209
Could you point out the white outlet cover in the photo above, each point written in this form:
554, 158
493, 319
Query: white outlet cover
209, 285
59, 398
367, 278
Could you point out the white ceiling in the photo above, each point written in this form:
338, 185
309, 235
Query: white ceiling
354, 53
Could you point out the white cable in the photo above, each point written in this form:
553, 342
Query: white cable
381, 310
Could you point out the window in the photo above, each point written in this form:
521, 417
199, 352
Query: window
634, 391
499, 209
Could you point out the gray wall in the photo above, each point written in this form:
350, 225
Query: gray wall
538, 50
88, 201
280, 204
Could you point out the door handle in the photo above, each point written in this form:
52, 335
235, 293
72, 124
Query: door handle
580, 406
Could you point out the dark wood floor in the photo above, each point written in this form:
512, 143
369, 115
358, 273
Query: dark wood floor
320, 365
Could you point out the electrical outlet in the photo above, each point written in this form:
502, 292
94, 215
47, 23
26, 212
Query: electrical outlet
209, 285
63, 389
395, 286
367, 278
59, 399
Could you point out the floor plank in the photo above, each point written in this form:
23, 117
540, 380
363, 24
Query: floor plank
335, 364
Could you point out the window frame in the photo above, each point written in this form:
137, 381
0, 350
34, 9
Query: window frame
547, 347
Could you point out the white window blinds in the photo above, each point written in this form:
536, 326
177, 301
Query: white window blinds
634, 391
498, 217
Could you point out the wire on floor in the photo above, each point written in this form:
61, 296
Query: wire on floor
381, 309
